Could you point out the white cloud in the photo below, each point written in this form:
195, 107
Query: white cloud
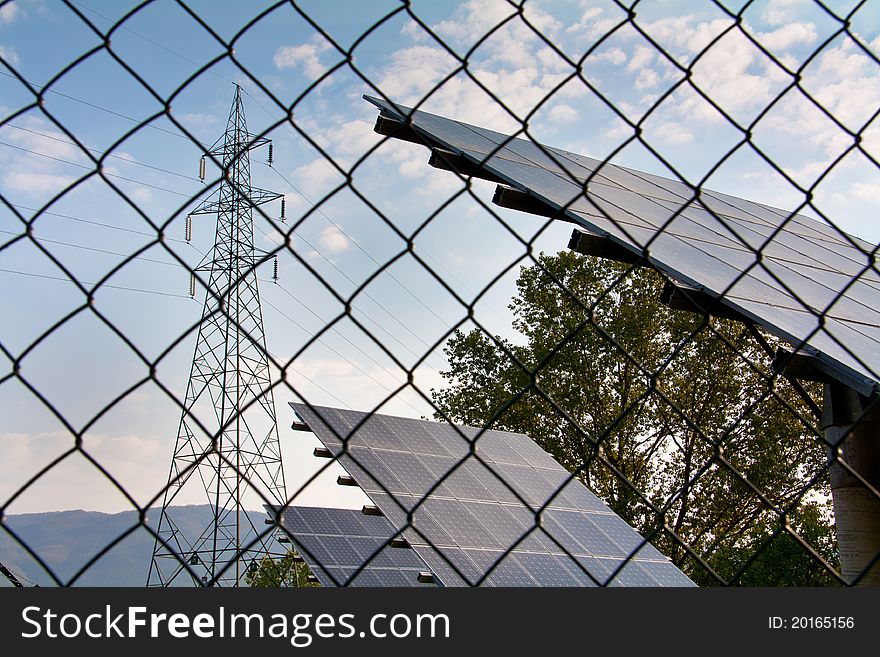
563, 114
787, 36
845, 84
39, 136
642, 56
8, 53
306, 56
352, 138
35, 184
506, 45
672, 133
318, 176
142, 194
9, 12
615, 56
413, 72
685, 33
198, 119
414, 31
139, 463
780, 12
866, 192
411, 159
587, 18
731, 74
647, 79
334, 240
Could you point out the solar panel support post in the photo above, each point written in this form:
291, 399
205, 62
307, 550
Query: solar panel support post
853, 435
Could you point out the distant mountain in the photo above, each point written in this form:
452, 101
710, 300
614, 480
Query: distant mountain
67, 540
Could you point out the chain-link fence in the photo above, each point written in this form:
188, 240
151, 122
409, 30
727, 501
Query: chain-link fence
740, 450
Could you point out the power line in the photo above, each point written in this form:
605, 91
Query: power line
100, 152
359, 247
98, 223
332, 328
280, 286
166, 294
86, 284
368, 296
351, 362
155, 43
140, 122
294, 187
96, 250
174, 264
296, 136
88, 168
331, 263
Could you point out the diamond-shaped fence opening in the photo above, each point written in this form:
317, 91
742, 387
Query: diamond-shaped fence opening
488, 293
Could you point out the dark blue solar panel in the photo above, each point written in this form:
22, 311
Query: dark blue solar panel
496, 447
336, 542
804, 264
473, 518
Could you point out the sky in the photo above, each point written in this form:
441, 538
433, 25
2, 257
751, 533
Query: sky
317, 60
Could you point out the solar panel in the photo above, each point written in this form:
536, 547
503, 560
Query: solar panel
483, 522
335, 543
804, 281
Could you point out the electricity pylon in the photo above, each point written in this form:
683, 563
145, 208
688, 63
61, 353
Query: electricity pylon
227, 445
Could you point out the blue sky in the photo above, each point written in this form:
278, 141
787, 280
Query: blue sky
82, 366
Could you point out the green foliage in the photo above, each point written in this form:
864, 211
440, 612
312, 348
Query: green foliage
652, 408
779, 558
286, 571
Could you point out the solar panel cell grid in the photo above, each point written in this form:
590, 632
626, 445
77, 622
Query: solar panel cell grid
473, 518
336, 542
705, 245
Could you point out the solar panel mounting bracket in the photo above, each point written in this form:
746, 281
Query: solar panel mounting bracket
449, 161
587, 243
679, 296
515, 199
398, 130
801, 365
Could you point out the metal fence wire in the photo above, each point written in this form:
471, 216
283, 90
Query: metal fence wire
740, 452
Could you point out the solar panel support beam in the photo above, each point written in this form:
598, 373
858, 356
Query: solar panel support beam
449, 161
398, 130
514, 199
591, 244
694, 300
801, 365
853, 434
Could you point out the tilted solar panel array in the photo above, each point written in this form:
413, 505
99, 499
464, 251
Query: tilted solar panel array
803, 280
344, 547
503, 514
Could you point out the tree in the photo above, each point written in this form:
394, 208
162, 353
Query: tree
289, 570
653, 409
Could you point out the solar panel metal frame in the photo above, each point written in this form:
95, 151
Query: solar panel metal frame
462, 527
813, 286
322, 536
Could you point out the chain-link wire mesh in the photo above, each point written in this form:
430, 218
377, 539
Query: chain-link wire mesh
696, 428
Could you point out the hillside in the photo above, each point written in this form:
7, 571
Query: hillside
67, 540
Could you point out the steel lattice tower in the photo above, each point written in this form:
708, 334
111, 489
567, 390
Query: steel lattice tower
227, 443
